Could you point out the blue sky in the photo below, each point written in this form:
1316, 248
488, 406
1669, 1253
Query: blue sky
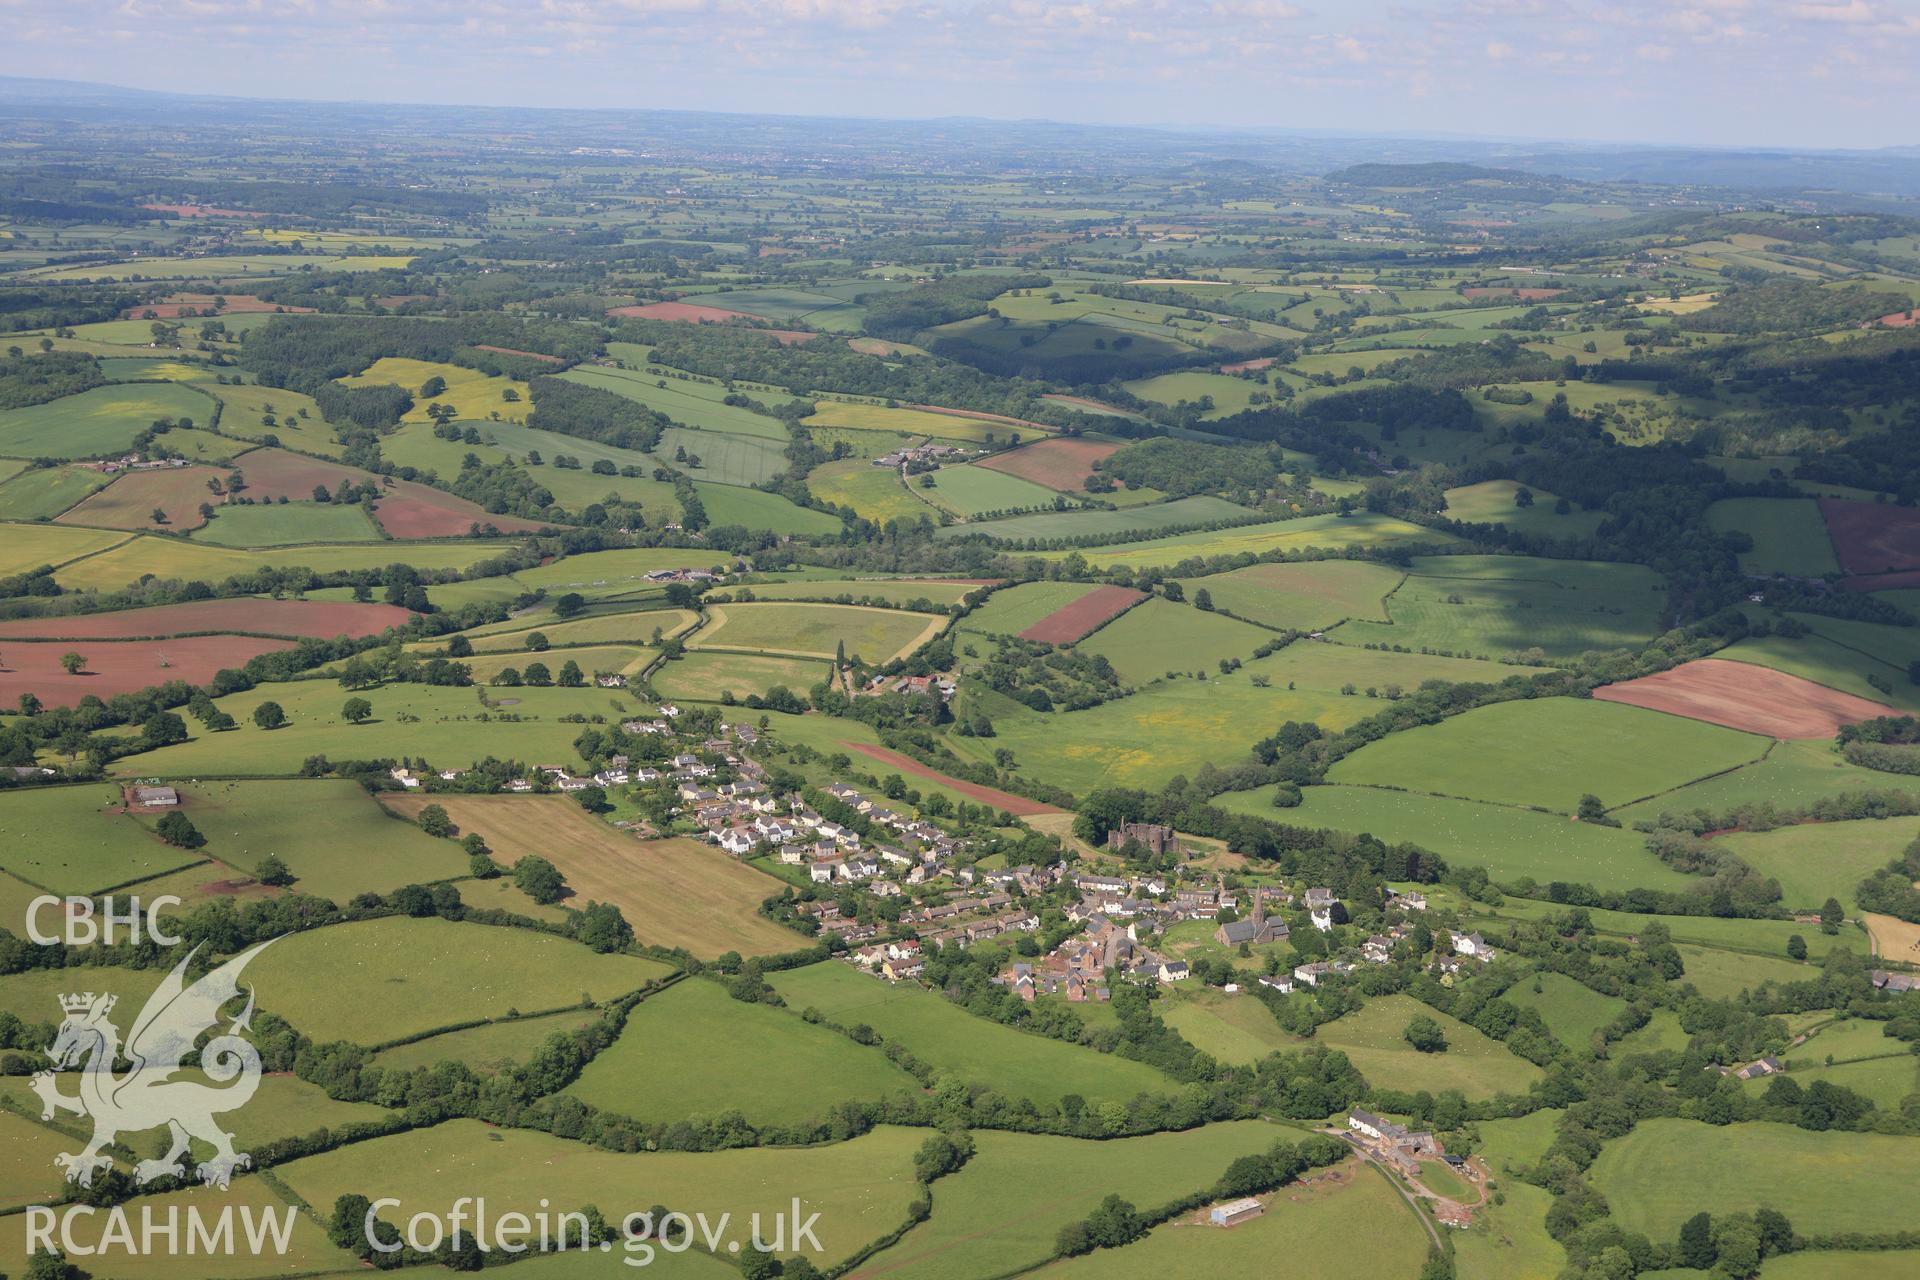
1806, 73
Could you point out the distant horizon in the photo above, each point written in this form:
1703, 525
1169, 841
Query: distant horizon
1784, 75
1485, 139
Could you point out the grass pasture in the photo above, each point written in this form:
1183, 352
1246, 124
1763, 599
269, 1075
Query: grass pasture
970, 491
447, 728
1548, 752
1364, 529
1094, 523
687, 401
98, 422
1789, 535
76, 840
489, 1048
900, 592
1005, 1207
395, 977
1492, 502
1011, 610
288, 524
331, 834
1341, 1219
704, 677
1665, 1171
1571, 1011
1309, 596
815, 630
875, 493
1472, 1063
693, 1050
45, 492
474, 395
1157, 636
675, 892
955, 1042
1496, 606
1821, 860
1507, 841
1237, 1029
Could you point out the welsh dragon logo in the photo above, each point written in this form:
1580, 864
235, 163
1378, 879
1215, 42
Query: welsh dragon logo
145, 1097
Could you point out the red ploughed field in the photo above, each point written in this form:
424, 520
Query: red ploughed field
1740, 695
1872, 537
698, 313
1070, 622
321, 619
119, 666
407, 510
1019, 806
1063, 465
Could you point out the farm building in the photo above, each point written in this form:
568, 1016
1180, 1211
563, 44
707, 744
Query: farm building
1234, 1212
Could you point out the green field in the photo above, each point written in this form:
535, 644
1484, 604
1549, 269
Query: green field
969, 491
1508, 842
729, 504
635, 628
75, 840
693, 1050
1548, 753
875, 493
814, 630
1882, 1264
1571, 1011
1788, 534
1722, 975
447, 730
1492, 502
110, 1258
1229, 394
1509, 1241
687, 401
397, 977
1319, 532
956, 1043
1158, 636
1309, 596
1767, 938
1816, 658
331, 834
297, 421
897, 591
1323, 1229
45, 492
487, 1049
860, 1188
1791, 774
1665, 1171
472, 393
703, 677
724, 458
1372, 1039
137, 557
1177, 726
95, 423
1237, 1029
1004, 1208
1815, 862
279, 525
1085, 524
1495, 606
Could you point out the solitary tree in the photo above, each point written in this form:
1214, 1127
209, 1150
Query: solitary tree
273, 871
1425, 1035
357, 710
73, 662
269, 715
178, 830
435, 822
1831, 915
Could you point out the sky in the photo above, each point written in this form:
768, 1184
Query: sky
1791, 73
